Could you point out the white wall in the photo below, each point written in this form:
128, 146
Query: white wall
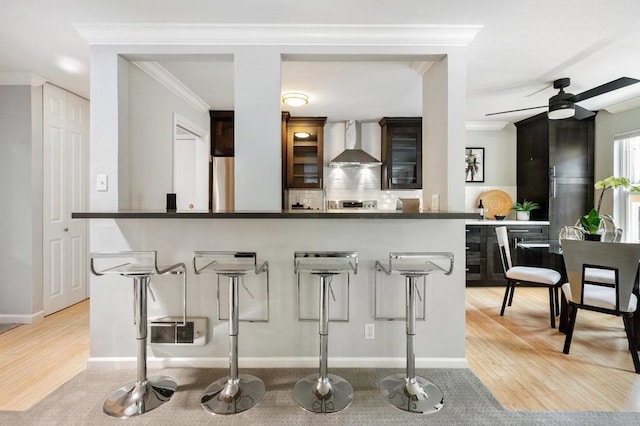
500, 150
21, 203
151, 107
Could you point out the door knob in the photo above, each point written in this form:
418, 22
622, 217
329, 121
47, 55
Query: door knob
66, 229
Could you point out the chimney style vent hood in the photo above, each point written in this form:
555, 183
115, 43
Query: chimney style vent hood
353, 155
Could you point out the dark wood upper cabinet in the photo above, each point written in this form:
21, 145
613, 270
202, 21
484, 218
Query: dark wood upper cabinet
401, 153
305, 160
555, 167
221, 133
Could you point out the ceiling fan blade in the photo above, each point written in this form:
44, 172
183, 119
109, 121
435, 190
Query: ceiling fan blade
539, 90
582, 113
604, 88
515, 110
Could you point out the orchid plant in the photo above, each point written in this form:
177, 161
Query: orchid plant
612, 182
591, 222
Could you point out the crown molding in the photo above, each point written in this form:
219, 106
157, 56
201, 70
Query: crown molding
168, 80
274, 34
21, 79
623, 106
485, 125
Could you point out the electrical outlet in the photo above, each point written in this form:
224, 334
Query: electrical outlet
369, 331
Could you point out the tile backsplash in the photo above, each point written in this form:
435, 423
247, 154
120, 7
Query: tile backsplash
352, 184
364, 184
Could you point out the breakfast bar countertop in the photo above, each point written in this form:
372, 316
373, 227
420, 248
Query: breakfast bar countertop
494, 222
304, 214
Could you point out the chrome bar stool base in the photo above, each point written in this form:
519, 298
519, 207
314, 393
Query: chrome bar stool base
407, 391
227, 396
415, 396
234, 393
139, 397
323, 392
319, 395
146, 393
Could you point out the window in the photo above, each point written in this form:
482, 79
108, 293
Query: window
627, 205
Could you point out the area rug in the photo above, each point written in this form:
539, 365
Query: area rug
8, 326
467, 402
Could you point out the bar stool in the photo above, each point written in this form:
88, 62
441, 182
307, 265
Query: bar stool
409, 392
234, 393
146, 393
324, 392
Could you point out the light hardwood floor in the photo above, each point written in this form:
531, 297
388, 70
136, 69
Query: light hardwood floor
36, 359
518, 356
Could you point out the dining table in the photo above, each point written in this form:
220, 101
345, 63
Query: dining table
552, 257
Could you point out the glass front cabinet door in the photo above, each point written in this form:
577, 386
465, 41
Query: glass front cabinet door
401, 153
304, 152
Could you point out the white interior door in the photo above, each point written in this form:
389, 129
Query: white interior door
65, 141
191, 168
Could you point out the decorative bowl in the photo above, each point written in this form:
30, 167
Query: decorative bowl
499, 217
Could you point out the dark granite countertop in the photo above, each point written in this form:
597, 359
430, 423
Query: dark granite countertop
302, 214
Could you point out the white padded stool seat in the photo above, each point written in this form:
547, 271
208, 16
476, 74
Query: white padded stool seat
600, 296
533, 274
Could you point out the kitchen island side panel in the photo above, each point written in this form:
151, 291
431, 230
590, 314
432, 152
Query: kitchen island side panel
283, 340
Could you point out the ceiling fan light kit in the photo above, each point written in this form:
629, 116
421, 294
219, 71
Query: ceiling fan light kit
561, 106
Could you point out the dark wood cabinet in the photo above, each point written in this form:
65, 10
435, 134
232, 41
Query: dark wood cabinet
222, 133
484, 266
305, 160
401, 153
555, 168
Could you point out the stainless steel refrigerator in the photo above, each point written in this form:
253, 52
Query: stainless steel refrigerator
222, 184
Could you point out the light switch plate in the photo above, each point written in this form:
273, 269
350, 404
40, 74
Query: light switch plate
102, 183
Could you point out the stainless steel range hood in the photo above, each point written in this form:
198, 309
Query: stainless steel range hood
353, 155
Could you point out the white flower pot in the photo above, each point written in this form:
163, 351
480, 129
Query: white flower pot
520, 215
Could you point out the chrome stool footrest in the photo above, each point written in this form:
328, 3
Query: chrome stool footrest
323, 395
231, 396
416, 396
139, 397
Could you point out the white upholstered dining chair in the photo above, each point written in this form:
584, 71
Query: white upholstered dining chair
621, 260
527, 275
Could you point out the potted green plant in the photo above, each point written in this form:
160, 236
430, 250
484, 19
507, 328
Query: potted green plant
591, 224
523, 210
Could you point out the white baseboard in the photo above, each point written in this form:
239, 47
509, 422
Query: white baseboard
101, 363
22, 319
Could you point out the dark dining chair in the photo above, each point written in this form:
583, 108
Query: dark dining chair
617, 298
528, 275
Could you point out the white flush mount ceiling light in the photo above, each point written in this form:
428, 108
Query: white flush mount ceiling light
302, 135
295, 98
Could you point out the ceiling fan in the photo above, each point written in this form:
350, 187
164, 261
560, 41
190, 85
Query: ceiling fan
563, 104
